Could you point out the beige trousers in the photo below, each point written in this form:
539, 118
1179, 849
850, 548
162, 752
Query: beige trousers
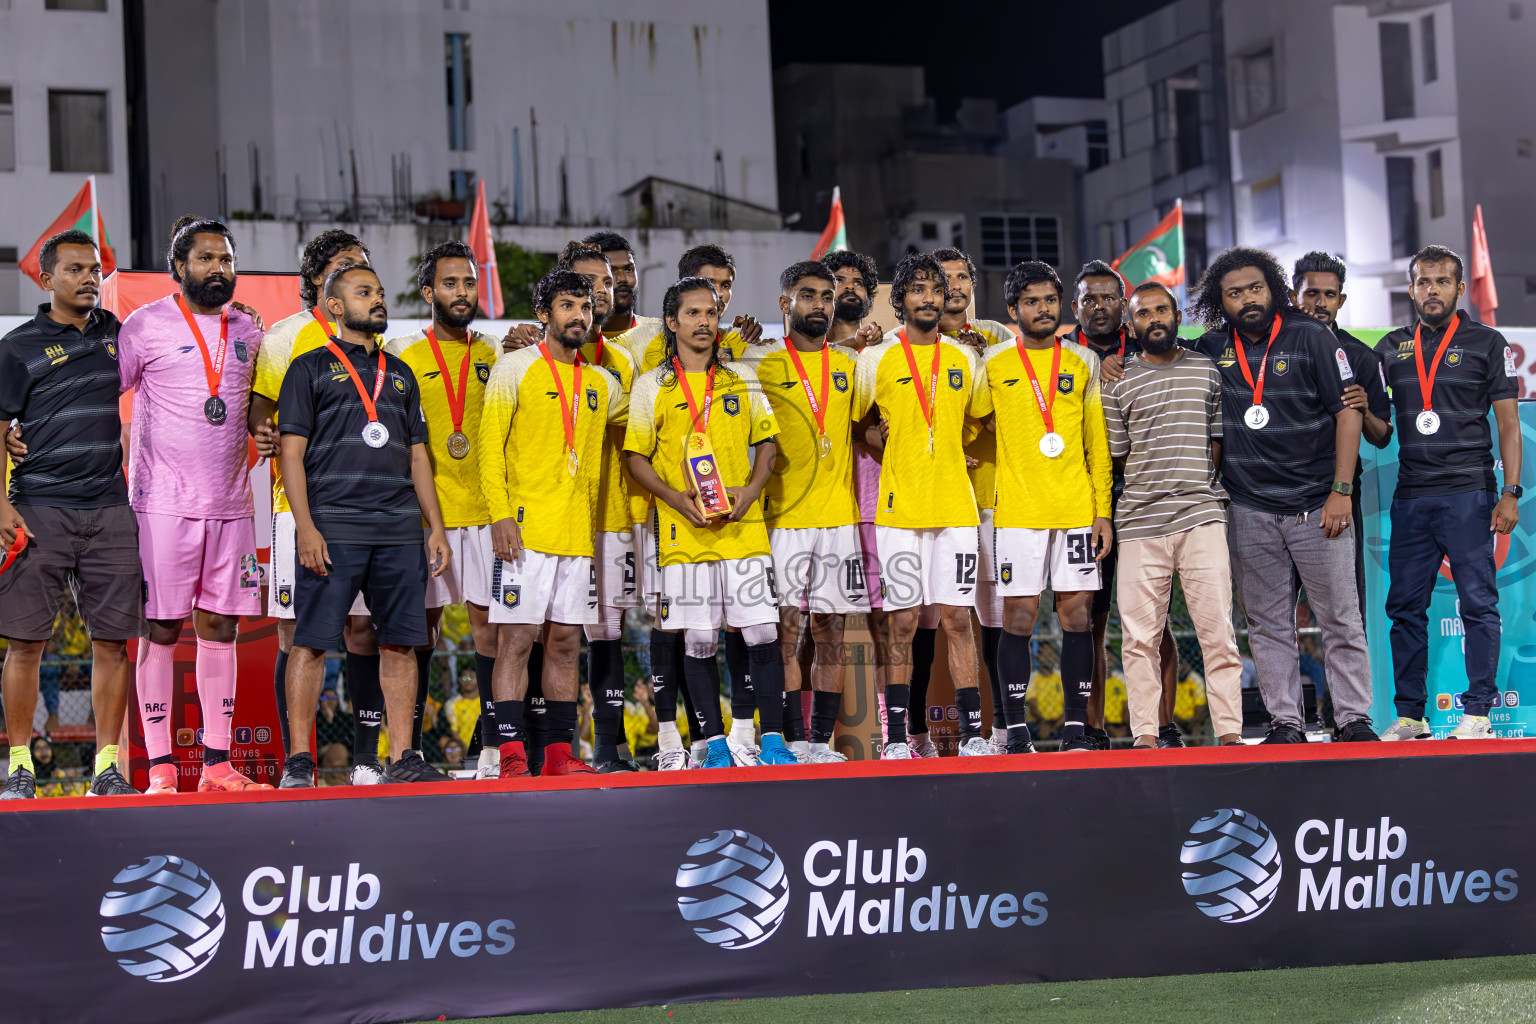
1145, 581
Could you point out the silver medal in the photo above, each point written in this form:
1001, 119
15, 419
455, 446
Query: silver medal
1256, 417
1052, 445
1428, 421
375, 435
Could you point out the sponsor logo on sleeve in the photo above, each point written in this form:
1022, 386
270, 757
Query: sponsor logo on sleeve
1346, 372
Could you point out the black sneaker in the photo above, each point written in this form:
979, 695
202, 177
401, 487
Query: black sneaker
618, 764
1098, 737
1169, 736
22, 785
1021, 746
1357, 731
298, 772
1079, 741
1285, 734
412, 768
110, 783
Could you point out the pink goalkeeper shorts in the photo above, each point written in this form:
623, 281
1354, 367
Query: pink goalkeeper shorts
208, 564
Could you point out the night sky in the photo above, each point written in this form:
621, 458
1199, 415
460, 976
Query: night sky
1009, 51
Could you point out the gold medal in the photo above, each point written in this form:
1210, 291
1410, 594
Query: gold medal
458, 444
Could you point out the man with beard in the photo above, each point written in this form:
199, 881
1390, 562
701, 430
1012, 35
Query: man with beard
1446, 372
288, 339
615, 544
1317, 288
359, 480
451, 364
1098, 304
925, 386
716, 567
622, 316
1053, 496
67, 504
809, 501
547, 411
647, 341
1288, 464
1164, 420
191, 359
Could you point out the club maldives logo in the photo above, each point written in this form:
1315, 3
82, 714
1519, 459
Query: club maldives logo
1231, 865
164, 919
733, 889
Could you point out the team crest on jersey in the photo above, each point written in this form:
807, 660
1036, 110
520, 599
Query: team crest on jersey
483, 371
666, 608
285, 596
110, 345
1005, 572
399, 384
840, 380
1228, 357
592, 399
512, 596
1453, 357
1065, 383
241, 352
956, 379
731, 404
1282, 366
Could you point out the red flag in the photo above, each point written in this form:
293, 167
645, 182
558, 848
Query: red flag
1480, 290
484, 244
84, 214
834, 237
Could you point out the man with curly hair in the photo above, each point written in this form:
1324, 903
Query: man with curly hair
1288, 463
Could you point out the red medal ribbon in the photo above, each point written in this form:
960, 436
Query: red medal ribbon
455, 403
1045, 403
370, 405
709, 394
1427, 381
931, 399
1242, 361
213, 365
567, 404
818, 408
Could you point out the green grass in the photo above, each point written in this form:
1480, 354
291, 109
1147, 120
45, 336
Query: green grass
1495, 990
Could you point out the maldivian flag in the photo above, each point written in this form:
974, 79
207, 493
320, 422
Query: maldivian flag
834, 237
1159, 256
82, 214
484, 244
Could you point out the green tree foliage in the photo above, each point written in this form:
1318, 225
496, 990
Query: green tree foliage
520, 271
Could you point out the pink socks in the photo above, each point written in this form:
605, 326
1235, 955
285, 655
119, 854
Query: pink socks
215, 691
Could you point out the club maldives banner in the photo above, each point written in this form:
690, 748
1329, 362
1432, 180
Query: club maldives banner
1515, 556
331, 906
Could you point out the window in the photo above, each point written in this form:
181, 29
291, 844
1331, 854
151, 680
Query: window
1402, 210
1255, 85
1427, 47
1098, 144
1186, 133
7, 130
1267, 210
1007, 239
928, 230
1436, 185
74, 5
1396, 70
460, 92
77, 132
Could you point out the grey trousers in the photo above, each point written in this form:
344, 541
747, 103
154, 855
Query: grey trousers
1268, 553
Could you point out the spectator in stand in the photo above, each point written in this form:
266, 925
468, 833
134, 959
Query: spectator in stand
463, 711
451, 751
333, 764
49, 674
42, 759
334, 724
640, 726
1045, 700
1116, 709
1190, 709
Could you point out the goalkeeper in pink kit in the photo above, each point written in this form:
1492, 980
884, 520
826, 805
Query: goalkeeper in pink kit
190, 358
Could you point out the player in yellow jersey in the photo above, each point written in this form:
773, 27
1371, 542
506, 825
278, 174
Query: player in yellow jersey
1053, 495
809, 502
715, 570
926, 387
284, 342
542, 432
452, 364
615, 548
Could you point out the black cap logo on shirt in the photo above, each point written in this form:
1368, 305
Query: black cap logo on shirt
1065, 382
956, 379
840, 380
731, 404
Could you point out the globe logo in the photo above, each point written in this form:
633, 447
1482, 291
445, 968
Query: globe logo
1232, 865
164, 917
734, 889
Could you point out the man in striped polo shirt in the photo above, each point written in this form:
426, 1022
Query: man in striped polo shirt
1165, 424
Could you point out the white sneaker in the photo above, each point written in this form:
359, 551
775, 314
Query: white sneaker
367, 774
976, 747
896, 752
923, 747
1408, 729
999, 741
489, 765
827, 756
742, 754
1473, 727
674, 760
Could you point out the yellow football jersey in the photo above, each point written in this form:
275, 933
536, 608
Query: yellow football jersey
524, 462
457, 481
921, 490
808, 489
615, 487
647, 344
984, 447
659, 425
1035, 492
284, 342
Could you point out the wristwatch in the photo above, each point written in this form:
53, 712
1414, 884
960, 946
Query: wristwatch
1342, 488
1516, 490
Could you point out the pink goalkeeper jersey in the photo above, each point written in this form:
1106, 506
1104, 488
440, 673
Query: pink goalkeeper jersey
179, 464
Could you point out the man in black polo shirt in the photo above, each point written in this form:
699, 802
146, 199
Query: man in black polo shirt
69, 501
359, 481
1098, 303
1288, 464
1317, 289
1446, 371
